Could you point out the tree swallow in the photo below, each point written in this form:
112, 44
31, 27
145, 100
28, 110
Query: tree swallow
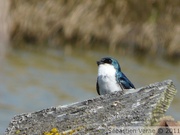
110, 78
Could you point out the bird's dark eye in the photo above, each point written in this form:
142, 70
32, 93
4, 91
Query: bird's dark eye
109, 61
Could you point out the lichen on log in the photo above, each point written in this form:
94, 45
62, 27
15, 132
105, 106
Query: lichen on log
140, 107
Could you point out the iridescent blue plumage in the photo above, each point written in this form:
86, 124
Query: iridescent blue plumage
110, 77
126, 83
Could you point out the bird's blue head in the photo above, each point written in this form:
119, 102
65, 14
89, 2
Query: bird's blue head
111, 61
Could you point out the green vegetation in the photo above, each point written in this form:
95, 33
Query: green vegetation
145, 26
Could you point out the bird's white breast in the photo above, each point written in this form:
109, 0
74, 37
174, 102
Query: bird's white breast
107, 79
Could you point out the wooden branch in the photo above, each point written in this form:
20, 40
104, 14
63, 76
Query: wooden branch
139, 107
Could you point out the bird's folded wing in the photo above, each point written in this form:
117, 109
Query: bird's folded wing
126, 83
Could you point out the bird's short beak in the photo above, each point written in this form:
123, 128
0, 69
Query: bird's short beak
99, 62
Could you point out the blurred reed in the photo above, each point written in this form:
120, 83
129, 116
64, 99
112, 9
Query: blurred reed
4, 28
145, 26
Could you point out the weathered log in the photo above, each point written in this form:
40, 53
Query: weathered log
140, 107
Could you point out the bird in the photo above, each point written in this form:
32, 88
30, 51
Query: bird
110, 77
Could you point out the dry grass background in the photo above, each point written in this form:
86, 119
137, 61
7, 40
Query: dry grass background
4, 31
147, 26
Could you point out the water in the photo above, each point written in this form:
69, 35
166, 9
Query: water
33, 80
